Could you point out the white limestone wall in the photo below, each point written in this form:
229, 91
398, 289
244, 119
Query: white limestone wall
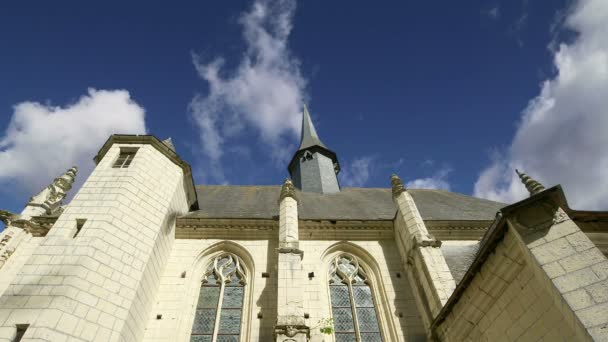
27, 243
100, 285
508, 301
177, 296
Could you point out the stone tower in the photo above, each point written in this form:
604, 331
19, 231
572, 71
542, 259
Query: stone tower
314, 167
95, 274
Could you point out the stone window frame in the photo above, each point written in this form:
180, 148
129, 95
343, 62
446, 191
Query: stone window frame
386, 321
198, 270
358, 278
127, 154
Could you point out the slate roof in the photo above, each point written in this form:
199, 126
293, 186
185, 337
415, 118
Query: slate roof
260, 202
459, 258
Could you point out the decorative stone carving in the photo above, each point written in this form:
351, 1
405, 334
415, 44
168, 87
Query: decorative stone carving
397, 185
286, 333
7, 217
560, 216
4, 257
50, 198
5, 239
7, 252
287, 190
533, 186
31, 226
291, 250
540, 216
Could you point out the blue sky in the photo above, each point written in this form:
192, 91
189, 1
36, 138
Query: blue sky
444, 94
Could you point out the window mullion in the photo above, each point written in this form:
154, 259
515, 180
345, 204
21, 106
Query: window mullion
216, 326
127, 157
354, 309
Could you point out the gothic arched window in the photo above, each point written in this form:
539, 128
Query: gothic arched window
220, 301
352, 302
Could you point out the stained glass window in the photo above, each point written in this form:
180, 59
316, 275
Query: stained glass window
220, 301
352, 302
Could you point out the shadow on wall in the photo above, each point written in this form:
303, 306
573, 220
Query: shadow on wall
267, 301
409, 318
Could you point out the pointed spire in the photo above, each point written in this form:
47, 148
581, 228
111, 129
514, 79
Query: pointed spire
309, 133
533, 186
314, 167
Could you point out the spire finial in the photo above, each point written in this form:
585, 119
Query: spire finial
287, 190
533, 186
397, 185
49, 199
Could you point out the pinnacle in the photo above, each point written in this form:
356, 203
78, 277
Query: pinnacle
534, 187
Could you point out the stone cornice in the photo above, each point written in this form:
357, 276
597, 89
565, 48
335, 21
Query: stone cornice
457, 230
162, 148
195, 228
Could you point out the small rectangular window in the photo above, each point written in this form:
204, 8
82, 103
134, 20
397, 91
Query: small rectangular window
21, 328
125, 158
79, 225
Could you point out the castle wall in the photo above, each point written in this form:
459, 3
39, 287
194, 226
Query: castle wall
100, 285
177, 296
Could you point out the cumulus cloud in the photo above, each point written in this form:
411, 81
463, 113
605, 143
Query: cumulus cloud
356, 174
561, 137
42, 141
264, 93
438, 181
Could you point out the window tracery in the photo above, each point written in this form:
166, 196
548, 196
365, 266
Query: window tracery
352, 302
220, 301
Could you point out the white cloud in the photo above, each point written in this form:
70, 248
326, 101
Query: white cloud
265, 92
438, 181
43, 141
562, 137
356, 174
494, 12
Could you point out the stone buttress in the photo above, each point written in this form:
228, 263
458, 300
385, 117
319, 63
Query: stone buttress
421, 255
290, 325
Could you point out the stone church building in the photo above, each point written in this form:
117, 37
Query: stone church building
141, 253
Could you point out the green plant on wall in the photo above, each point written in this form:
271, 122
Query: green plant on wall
326, 326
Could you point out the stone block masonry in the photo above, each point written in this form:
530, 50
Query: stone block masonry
508, 301
100, 285
537, 277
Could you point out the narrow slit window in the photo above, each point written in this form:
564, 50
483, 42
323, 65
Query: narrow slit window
125, 158
79, 225
21, 328
352, 303
220, 301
